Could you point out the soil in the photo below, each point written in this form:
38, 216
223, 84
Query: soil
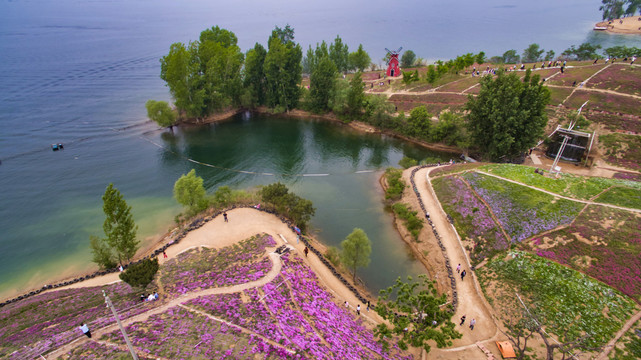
629, 25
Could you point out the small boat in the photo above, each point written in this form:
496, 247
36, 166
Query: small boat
600, 28
56, 147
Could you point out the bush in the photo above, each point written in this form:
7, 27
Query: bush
141, 274
407, 162
411, 221
333, 255
395, 185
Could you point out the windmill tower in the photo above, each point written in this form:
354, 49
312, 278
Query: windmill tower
392, 65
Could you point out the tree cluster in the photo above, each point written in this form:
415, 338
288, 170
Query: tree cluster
508, 115
615, 9
288, 204
119, 244
585, 51
623, 51
141, 274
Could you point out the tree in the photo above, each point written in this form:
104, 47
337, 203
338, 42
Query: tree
633, 7
585, 51
140, 275
296, 208
449, 129
283, 70
190, 192
612, 9
176, 69
511, 57
549, 56
161, 113
419, 123
223, 196
623, 51
102, 254
339, 54
532, 53
415, 315
355, 251
480, 58
408, 59
431, 75
356, 96
508, 115
359, 60
119, 227
254, 74
321, 84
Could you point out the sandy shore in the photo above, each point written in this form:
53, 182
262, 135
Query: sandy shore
629, 25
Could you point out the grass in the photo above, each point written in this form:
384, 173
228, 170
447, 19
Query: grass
578, 74
458, 167
617, 104
622, 150
616, 122
602, 242
412, 223
626, 197
522, 212
558, 95
629, 346
395, 184
620, 78
570, 303
460, 85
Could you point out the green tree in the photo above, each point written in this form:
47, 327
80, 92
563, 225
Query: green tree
612, 9
140, 275
291, 205
408, 59
283, 70
223, 196
480, 58
356, 96
419, 123
355, 251
359, 59
254, 74
177, 69
339, 54
190, 192
119, 227
623, 51
508, 115
322, 83
431, 75
449, 129
102, 254
532, 53
511, 57
549, 56
422, 319
161, 113
585, 51
633, 7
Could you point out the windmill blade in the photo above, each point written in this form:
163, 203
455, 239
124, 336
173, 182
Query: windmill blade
399, 49
388, 50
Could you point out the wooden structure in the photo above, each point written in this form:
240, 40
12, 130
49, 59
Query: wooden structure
392, 64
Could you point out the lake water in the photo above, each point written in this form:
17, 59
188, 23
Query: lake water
78, 72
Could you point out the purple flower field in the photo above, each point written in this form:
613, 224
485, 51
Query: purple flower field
94, 351
205, 268
522, 212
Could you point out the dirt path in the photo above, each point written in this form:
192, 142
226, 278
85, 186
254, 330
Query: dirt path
588, 202
471, 301
610, 345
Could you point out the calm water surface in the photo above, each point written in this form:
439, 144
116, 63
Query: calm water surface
79, 72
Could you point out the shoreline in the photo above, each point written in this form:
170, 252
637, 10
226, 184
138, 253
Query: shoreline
627, 25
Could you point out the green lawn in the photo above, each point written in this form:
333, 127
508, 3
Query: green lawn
622, 196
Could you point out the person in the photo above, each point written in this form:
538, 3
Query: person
472, 323
297, 239
142, 297
574, 83
458, 268
257, 206
306, 251
368, 305
156, 295
164, 254
346, 305
151, 297
358, 309
462, 320
225, 217
463, 273
120, 268
85, 330
562, 69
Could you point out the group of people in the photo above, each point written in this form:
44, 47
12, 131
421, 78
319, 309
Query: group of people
472, 322
613, 59
152, 296
358, 307
462, 273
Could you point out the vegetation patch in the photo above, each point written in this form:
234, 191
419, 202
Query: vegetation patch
611, 237
566, 302
395, 183
629, 346
412, 223
616, 122
626, 197
460, 85
204, 268
575, 74
471, 217
621, 78
558, 95
459, 167
622, 150
604, 102
92, 350
522, 211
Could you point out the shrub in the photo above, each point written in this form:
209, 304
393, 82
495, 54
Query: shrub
395, 185
410, 220
407, 162
333, 255
141, 274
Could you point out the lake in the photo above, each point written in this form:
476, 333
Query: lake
78, 72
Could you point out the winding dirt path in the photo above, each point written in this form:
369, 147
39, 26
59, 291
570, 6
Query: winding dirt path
471, 301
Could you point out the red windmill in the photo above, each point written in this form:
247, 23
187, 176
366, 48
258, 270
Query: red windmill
392, 63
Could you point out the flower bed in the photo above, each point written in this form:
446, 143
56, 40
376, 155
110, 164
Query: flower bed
629, 346
522, 211
616, 122
578, 74
471, 217
602, 242
622, 150
558, 95
300, 315
570, 303
206, 268
49, 320
460, 85
604, 102
621, 78
94, 351
182, 334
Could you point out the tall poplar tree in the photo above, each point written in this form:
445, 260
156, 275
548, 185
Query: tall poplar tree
283, 69
355, 251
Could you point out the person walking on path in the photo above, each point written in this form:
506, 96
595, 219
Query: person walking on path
164, 254
85, 330
472, 323
462, 320
358, 309
463, 273
346, 305
306, 251
368, 305
458, 268
225, 217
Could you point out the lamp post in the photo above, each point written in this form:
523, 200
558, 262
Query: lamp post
122, 330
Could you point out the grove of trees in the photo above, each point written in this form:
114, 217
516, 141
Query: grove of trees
615, 9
